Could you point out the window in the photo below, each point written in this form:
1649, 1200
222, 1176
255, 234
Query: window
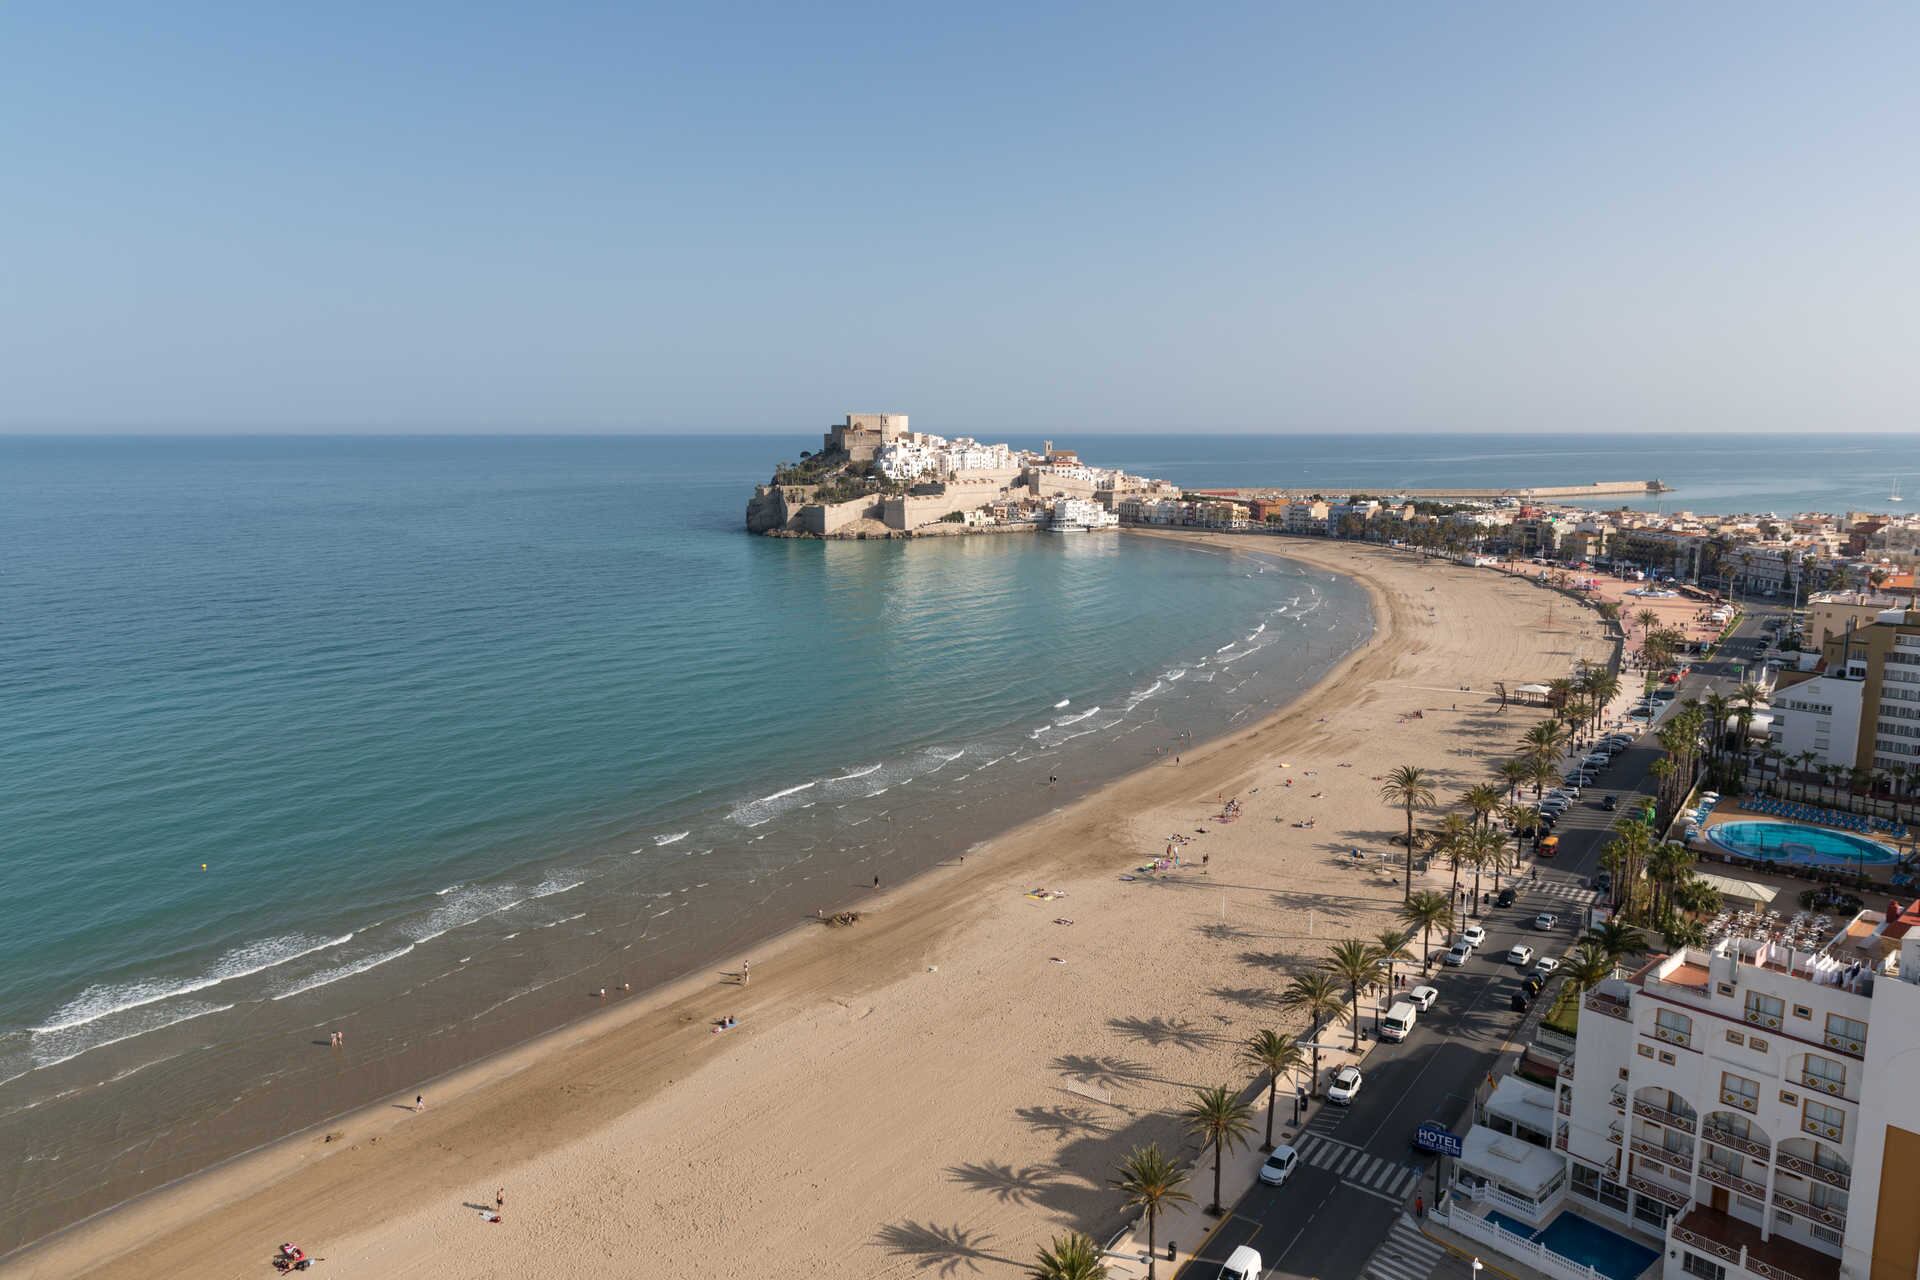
1734, 1037
1653, 1212
1828, 1122
1674, 1027
1802, 1011
1728, 1161
1731, 1125
1667, 1058
1701, 1268
1846, 1033
1823, 1196
1764, 1010
1725, 988
1739, 1091
1757, 1045
1824, 1074
1791, 1099
1646, 1051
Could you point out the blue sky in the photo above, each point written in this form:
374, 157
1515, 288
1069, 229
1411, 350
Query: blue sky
1116, 217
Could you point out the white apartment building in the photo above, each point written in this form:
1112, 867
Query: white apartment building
1079, 515
1820, 716
1757, 1107
964, 454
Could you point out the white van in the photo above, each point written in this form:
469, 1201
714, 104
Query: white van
1242, 1264
1399, 1020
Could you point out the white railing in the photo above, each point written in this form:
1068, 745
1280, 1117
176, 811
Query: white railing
1464, 1220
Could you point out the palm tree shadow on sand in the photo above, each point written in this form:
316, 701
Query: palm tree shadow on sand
944, 1251
1005, 1183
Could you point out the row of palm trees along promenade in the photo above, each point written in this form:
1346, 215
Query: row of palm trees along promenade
1482, 831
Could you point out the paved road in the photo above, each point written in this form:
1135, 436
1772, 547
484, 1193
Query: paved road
1343, 1213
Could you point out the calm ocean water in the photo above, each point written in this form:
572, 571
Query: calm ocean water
461, 727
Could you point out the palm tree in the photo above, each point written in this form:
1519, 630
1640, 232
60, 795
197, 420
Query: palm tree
1274, 1055
1681, 932
1543, 773
1587, 966
1390, 948
1318, 996
1646, 618
1524, 817
1483, 801
1150, 1181
1357, 964
1617, 939
1221, 1120
1515, 774
1544, 740
1409, 787
1426, 911
1070, 1257
1483, 851
1449, 841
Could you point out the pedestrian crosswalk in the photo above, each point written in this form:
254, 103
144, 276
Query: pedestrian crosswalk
1406, 1254
1375, 1174
1566, 890
1325, 1120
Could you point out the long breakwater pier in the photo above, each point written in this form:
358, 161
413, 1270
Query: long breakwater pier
1598, 489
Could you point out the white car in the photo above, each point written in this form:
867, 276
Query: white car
1546, 920
1473, 935
1279, 1166
1457, 954
1546, 967
1346, 1084
1522, 955
1423, 997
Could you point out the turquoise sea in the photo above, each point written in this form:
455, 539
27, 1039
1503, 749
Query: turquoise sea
461, 728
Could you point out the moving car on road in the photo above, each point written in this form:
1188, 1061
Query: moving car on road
1522, 955
1457, 954
1546, 920
1242, 1264
1506, 898
1546, 966
1424, 997
1346, 1086
1279, 1166
1473, 935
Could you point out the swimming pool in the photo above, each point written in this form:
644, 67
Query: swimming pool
1581, 1240
1798, 843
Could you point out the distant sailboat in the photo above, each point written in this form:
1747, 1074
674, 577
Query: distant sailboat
1895, 495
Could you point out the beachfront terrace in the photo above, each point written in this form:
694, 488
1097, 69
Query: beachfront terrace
1741, 1247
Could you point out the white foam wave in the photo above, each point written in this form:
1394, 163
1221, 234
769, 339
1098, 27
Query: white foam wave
1179, 673
1064, 721
64, 1046
1134, 700
472, 903
552, 885
857, 773
1063, 702
102, 1001
327, 977
1228, 645
441, 893
755, 813
675, 838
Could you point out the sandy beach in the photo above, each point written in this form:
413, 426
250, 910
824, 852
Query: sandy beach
947, 1083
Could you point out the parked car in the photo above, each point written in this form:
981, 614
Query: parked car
1603, 881
1533, 984
1521, 954
1545, 921
1473, 935
1546, 966
1424, 996
1520, 1001
1279, 1166
1548, 847
1346, 1086
1505, 899
1456, 954
1242, 1264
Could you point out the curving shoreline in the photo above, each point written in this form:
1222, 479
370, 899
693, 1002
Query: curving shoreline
831, 1066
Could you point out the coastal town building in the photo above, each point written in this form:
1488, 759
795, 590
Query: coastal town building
1752, 1105
862, 434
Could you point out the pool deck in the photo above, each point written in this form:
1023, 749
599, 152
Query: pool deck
1732, 811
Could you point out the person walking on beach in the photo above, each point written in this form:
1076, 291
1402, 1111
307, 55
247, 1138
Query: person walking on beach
746, 971
419, 1102
876, 882
500, 1200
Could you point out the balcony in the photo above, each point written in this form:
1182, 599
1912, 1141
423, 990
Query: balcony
1831, 1132
1617, 1097
1560, 1137
1610, 1006
1719, 1235
1832, 1088
1743, 1101
1720, 1177
1666, 1035
1565, 1071
1565, 1104
1648, 1187
1852, 1048
1734, 1142
1771, 1021
1808, 1169
1663, 1155
1660, 1115
1810, 1212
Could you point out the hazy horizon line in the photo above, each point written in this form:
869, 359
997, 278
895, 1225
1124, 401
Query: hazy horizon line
121, 431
